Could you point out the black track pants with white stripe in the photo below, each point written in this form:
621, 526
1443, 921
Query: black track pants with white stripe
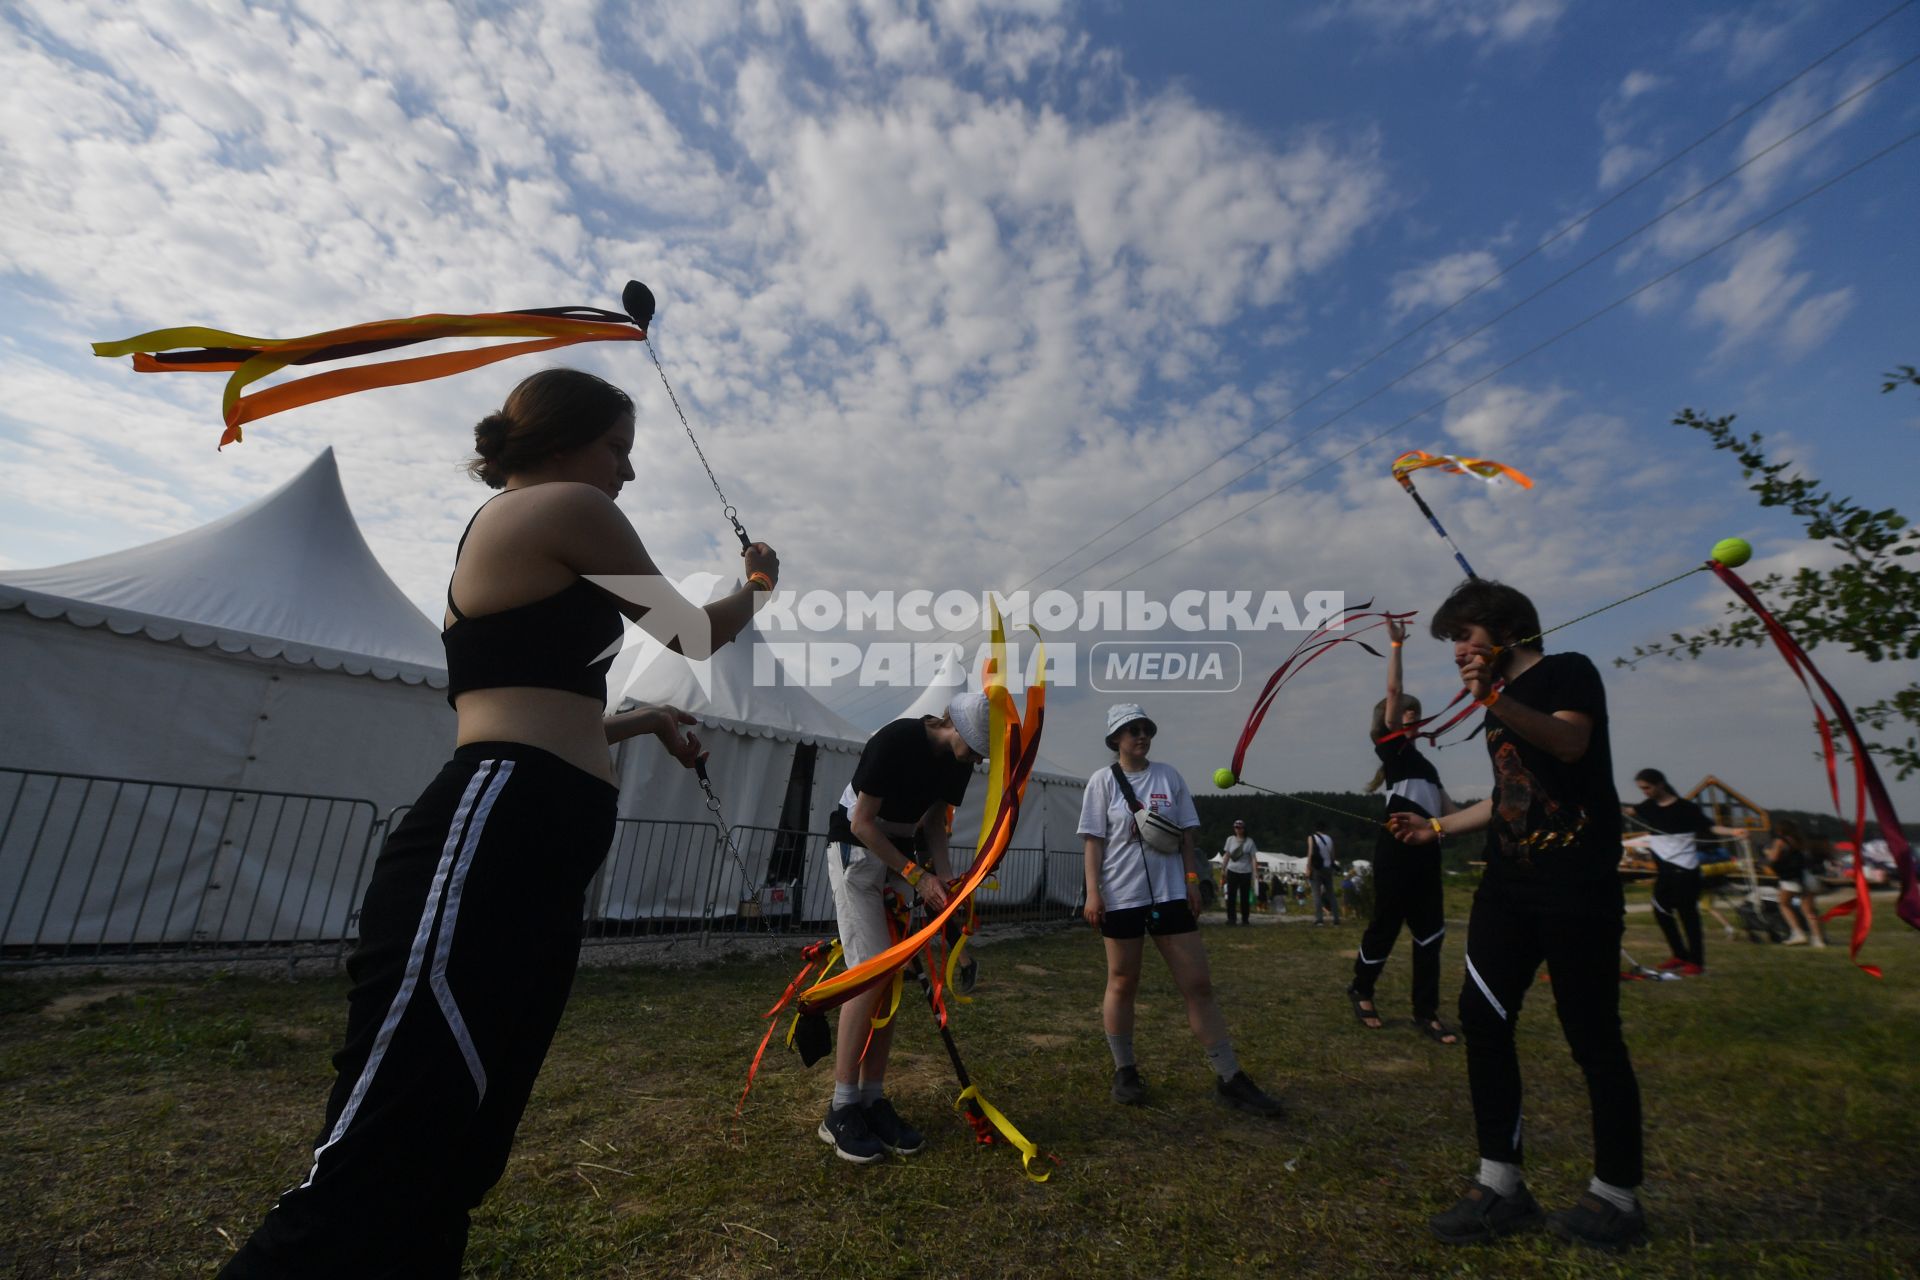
1506, 944
1406, 891
1676, 906
469, 936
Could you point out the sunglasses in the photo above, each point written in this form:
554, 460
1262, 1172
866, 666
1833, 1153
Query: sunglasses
1138, 730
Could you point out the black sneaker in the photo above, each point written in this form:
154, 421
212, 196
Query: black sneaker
1600, 1223
1484, 1214
1129, 1090
893, 1133
845, 1130
1243, 1094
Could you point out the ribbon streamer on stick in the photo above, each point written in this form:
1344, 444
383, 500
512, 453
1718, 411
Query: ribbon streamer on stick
1417, 460
1869, 790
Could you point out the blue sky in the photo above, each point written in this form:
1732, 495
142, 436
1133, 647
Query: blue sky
950, 287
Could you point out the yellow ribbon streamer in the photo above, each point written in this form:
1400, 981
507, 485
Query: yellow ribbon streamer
1028, 1151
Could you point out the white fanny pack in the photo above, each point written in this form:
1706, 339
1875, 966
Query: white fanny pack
1156, 832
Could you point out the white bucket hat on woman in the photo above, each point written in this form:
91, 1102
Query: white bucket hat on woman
1122, 714
968, 711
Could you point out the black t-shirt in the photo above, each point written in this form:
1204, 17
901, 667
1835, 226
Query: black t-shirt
1554, 841
907, 772
1791, 864
1681, 818
1401, 763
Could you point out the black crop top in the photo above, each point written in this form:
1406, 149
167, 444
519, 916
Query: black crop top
564, 641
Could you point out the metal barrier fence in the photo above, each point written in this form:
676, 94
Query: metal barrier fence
103, 869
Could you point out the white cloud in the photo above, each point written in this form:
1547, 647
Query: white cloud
1492, 419
1439, 283
1494, 22
1760, 296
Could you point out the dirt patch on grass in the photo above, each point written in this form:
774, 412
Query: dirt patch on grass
63, 1007
1033, 970
1048, 1040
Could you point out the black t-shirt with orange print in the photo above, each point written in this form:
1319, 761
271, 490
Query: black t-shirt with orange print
1554, 842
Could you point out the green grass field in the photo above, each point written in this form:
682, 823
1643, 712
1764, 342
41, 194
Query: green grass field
147, 1121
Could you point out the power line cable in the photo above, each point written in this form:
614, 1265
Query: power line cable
867, 699
1497, 318
1533, 350
1564, 231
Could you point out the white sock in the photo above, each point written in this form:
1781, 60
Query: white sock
1221, 1058
1121, 1046
1499, 1177
1621, 1198
845, 1095
871, 1091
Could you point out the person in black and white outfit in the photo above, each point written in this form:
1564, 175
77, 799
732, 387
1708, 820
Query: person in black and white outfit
1406, 880
1324, 869
1677, 826
1138, 821
1240, 854
889, 832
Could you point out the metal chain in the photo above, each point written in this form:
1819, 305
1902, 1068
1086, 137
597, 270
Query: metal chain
726, 832
727, 509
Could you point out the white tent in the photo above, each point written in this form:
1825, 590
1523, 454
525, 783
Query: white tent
754, 721
265, 651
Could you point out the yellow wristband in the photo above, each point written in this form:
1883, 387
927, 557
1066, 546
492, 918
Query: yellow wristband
1435, 824
760, 581
1398, 643
1490, 699
912, 873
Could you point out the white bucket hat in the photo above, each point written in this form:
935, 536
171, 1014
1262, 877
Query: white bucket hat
1122, 714
969, 714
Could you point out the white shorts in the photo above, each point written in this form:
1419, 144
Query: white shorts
859, 905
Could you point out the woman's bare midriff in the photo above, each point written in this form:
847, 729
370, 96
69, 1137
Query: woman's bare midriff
565, 724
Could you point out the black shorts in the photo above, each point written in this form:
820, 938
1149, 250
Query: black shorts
1161, 920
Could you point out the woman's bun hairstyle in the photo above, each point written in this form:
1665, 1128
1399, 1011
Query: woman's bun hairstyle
550, 413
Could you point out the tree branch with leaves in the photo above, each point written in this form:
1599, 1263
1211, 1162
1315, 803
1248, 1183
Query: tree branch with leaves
1868, 604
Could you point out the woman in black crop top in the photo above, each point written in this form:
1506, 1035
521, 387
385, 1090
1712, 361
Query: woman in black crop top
1406, 879
470, 929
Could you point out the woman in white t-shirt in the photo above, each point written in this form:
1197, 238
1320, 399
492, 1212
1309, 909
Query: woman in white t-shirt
1142, 881
1239, 853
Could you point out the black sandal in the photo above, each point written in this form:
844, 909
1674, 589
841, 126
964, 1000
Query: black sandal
1369, 1018
1437, 1031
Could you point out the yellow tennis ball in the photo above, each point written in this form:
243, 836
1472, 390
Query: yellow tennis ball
1223, 778
1732, 552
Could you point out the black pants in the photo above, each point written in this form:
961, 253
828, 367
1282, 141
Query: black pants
1676, 905
1505, 947
1406, 891
469, 935
1240, 889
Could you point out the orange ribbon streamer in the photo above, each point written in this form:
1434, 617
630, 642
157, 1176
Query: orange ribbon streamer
197, 349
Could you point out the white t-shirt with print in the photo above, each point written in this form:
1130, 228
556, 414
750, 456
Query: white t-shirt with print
1240, 853
1124, 871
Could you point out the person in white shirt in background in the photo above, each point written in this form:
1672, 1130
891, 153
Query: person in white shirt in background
1239, 851
1138, 820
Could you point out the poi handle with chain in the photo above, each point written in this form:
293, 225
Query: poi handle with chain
720, 821
637, 299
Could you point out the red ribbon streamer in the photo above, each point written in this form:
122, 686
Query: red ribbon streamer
1868, 788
